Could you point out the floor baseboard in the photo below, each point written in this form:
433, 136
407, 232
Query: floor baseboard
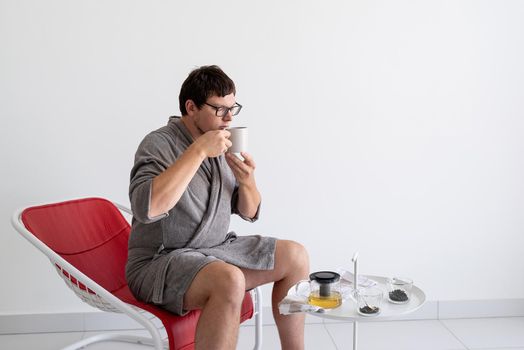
101, 321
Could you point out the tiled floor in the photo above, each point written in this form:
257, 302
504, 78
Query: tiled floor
481, 333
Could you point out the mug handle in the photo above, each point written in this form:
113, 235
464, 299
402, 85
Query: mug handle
298, 285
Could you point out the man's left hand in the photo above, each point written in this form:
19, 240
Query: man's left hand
244, 171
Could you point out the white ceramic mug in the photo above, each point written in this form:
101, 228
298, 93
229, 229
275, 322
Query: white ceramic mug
239, 139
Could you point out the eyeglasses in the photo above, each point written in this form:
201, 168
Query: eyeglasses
221, 111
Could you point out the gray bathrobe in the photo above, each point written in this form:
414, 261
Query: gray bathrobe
166, 252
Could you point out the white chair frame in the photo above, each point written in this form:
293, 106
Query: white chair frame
98, 297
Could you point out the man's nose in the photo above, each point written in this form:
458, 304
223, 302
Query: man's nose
228, 116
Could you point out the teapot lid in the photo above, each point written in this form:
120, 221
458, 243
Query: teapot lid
324, 277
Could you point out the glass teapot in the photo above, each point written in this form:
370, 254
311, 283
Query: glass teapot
323, 289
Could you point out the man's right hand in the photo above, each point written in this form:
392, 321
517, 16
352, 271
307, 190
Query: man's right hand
213, 143
172, 182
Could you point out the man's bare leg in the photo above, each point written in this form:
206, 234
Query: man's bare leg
218, 289
291, 266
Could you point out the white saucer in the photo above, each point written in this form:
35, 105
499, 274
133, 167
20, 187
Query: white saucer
398, 302
368, 315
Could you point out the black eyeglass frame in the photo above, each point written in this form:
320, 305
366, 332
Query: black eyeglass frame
225, 110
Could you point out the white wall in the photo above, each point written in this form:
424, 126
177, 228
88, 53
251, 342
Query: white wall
389, 127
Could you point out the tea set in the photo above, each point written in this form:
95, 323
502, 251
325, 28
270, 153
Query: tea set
326, 290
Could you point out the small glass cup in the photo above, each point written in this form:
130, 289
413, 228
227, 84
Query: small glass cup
399, 290
369, 301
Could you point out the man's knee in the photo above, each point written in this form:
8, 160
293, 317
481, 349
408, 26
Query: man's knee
217, 280
295, 254
228, 284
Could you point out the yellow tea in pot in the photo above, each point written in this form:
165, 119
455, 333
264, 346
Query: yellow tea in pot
331, 301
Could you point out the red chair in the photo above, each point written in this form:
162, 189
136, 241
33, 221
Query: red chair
86, 241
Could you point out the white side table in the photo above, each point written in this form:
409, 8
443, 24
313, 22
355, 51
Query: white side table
348, 311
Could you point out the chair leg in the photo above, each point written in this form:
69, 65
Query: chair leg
110, 337
258, 318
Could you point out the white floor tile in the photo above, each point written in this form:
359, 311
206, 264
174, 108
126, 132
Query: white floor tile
316, 337
482, 333
405, 335
472, 334
40, 341
502, 348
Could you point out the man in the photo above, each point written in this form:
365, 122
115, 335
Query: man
184, 188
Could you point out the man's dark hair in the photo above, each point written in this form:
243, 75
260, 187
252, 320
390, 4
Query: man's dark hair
203, 83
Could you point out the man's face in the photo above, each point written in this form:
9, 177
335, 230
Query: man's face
206, 119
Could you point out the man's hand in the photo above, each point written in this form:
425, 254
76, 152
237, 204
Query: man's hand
169, 186
244, 171
213, 143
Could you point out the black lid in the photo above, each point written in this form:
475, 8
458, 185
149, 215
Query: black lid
324, 277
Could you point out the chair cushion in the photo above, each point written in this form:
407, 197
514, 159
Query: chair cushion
84, 231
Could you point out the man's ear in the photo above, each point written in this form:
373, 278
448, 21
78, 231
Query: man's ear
190, 107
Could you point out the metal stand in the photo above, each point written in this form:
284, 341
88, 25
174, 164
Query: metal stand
355, 286
355, 327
